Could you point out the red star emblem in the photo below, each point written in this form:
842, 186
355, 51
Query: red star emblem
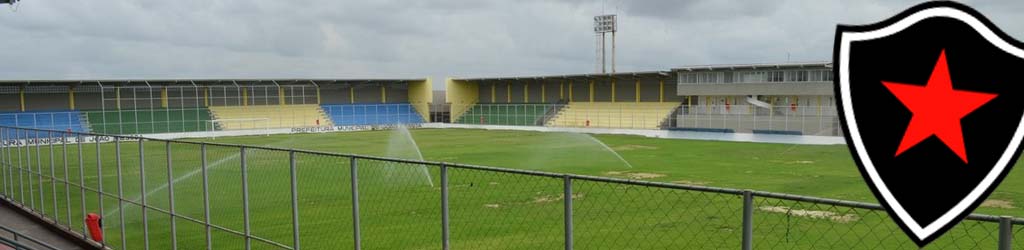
937, 109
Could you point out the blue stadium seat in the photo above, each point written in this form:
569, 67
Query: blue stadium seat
67, 120
371, 114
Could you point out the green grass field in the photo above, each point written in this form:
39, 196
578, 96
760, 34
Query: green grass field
400, 206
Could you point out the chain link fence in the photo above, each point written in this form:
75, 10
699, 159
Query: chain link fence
167, 194
789, 119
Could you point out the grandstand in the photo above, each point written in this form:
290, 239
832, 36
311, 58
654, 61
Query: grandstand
176, 106
277, 116
522, 114
148, 121
789, 98
368, 114
642, 115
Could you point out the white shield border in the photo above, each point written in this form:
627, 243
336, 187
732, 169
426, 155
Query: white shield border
848, 37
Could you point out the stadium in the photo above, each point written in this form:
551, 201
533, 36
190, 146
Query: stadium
701, 157
660, 156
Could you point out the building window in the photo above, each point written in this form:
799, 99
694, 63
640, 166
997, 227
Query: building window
775, 76
796, 76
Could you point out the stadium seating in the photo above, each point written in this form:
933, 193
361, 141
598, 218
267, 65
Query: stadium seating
643, 115
148, 121
505, 114
269, 116
371, 114
52, 120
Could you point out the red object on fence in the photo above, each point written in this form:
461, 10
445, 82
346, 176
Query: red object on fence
318, 122
588, 122
792, 106
95, 224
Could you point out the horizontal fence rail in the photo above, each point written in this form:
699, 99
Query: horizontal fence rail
170, 194
16, 240
816, 120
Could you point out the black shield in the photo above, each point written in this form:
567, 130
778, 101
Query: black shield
899, 114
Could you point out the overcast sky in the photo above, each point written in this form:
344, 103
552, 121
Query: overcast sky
76, 39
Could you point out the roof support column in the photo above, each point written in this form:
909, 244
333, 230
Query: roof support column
591, 90
570, 91
494, 92
163, 97
613, 90
526, 92
543, 91
21, 98
637, 91
71, 98
661, 90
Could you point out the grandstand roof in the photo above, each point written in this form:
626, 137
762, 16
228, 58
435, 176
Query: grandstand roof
158, 82
754, 66
618, 75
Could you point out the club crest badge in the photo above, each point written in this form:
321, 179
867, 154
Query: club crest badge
931, 106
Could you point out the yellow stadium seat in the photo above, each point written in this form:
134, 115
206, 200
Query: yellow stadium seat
269, 116
643, 115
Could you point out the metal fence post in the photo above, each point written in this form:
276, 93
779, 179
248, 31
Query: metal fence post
81, 182
567, 194
67, 179
3, 161
206, 198
445, 244
356, 237
39, 173
748, 220
21, 171
99, 178
295, 199
142, 183
245, 199
8, 174
26, 173
1005, 233
170, 197
53, 179
120, 191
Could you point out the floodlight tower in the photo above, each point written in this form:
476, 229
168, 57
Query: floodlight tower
604, 24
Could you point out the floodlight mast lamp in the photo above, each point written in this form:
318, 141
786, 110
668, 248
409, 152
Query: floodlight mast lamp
604, 24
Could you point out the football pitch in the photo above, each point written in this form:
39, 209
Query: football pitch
400, 206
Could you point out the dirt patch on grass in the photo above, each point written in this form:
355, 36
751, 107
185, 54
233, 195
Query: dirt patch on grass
634, 175
553, 198
813, 214
994, 203
692, 183
629, 147
492, 205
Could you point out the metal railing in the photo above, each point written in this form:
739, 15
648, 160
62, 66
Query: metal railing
168, 194
15, 240
792, 119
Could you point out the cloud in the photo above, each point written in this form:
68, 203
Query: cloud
72, 39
